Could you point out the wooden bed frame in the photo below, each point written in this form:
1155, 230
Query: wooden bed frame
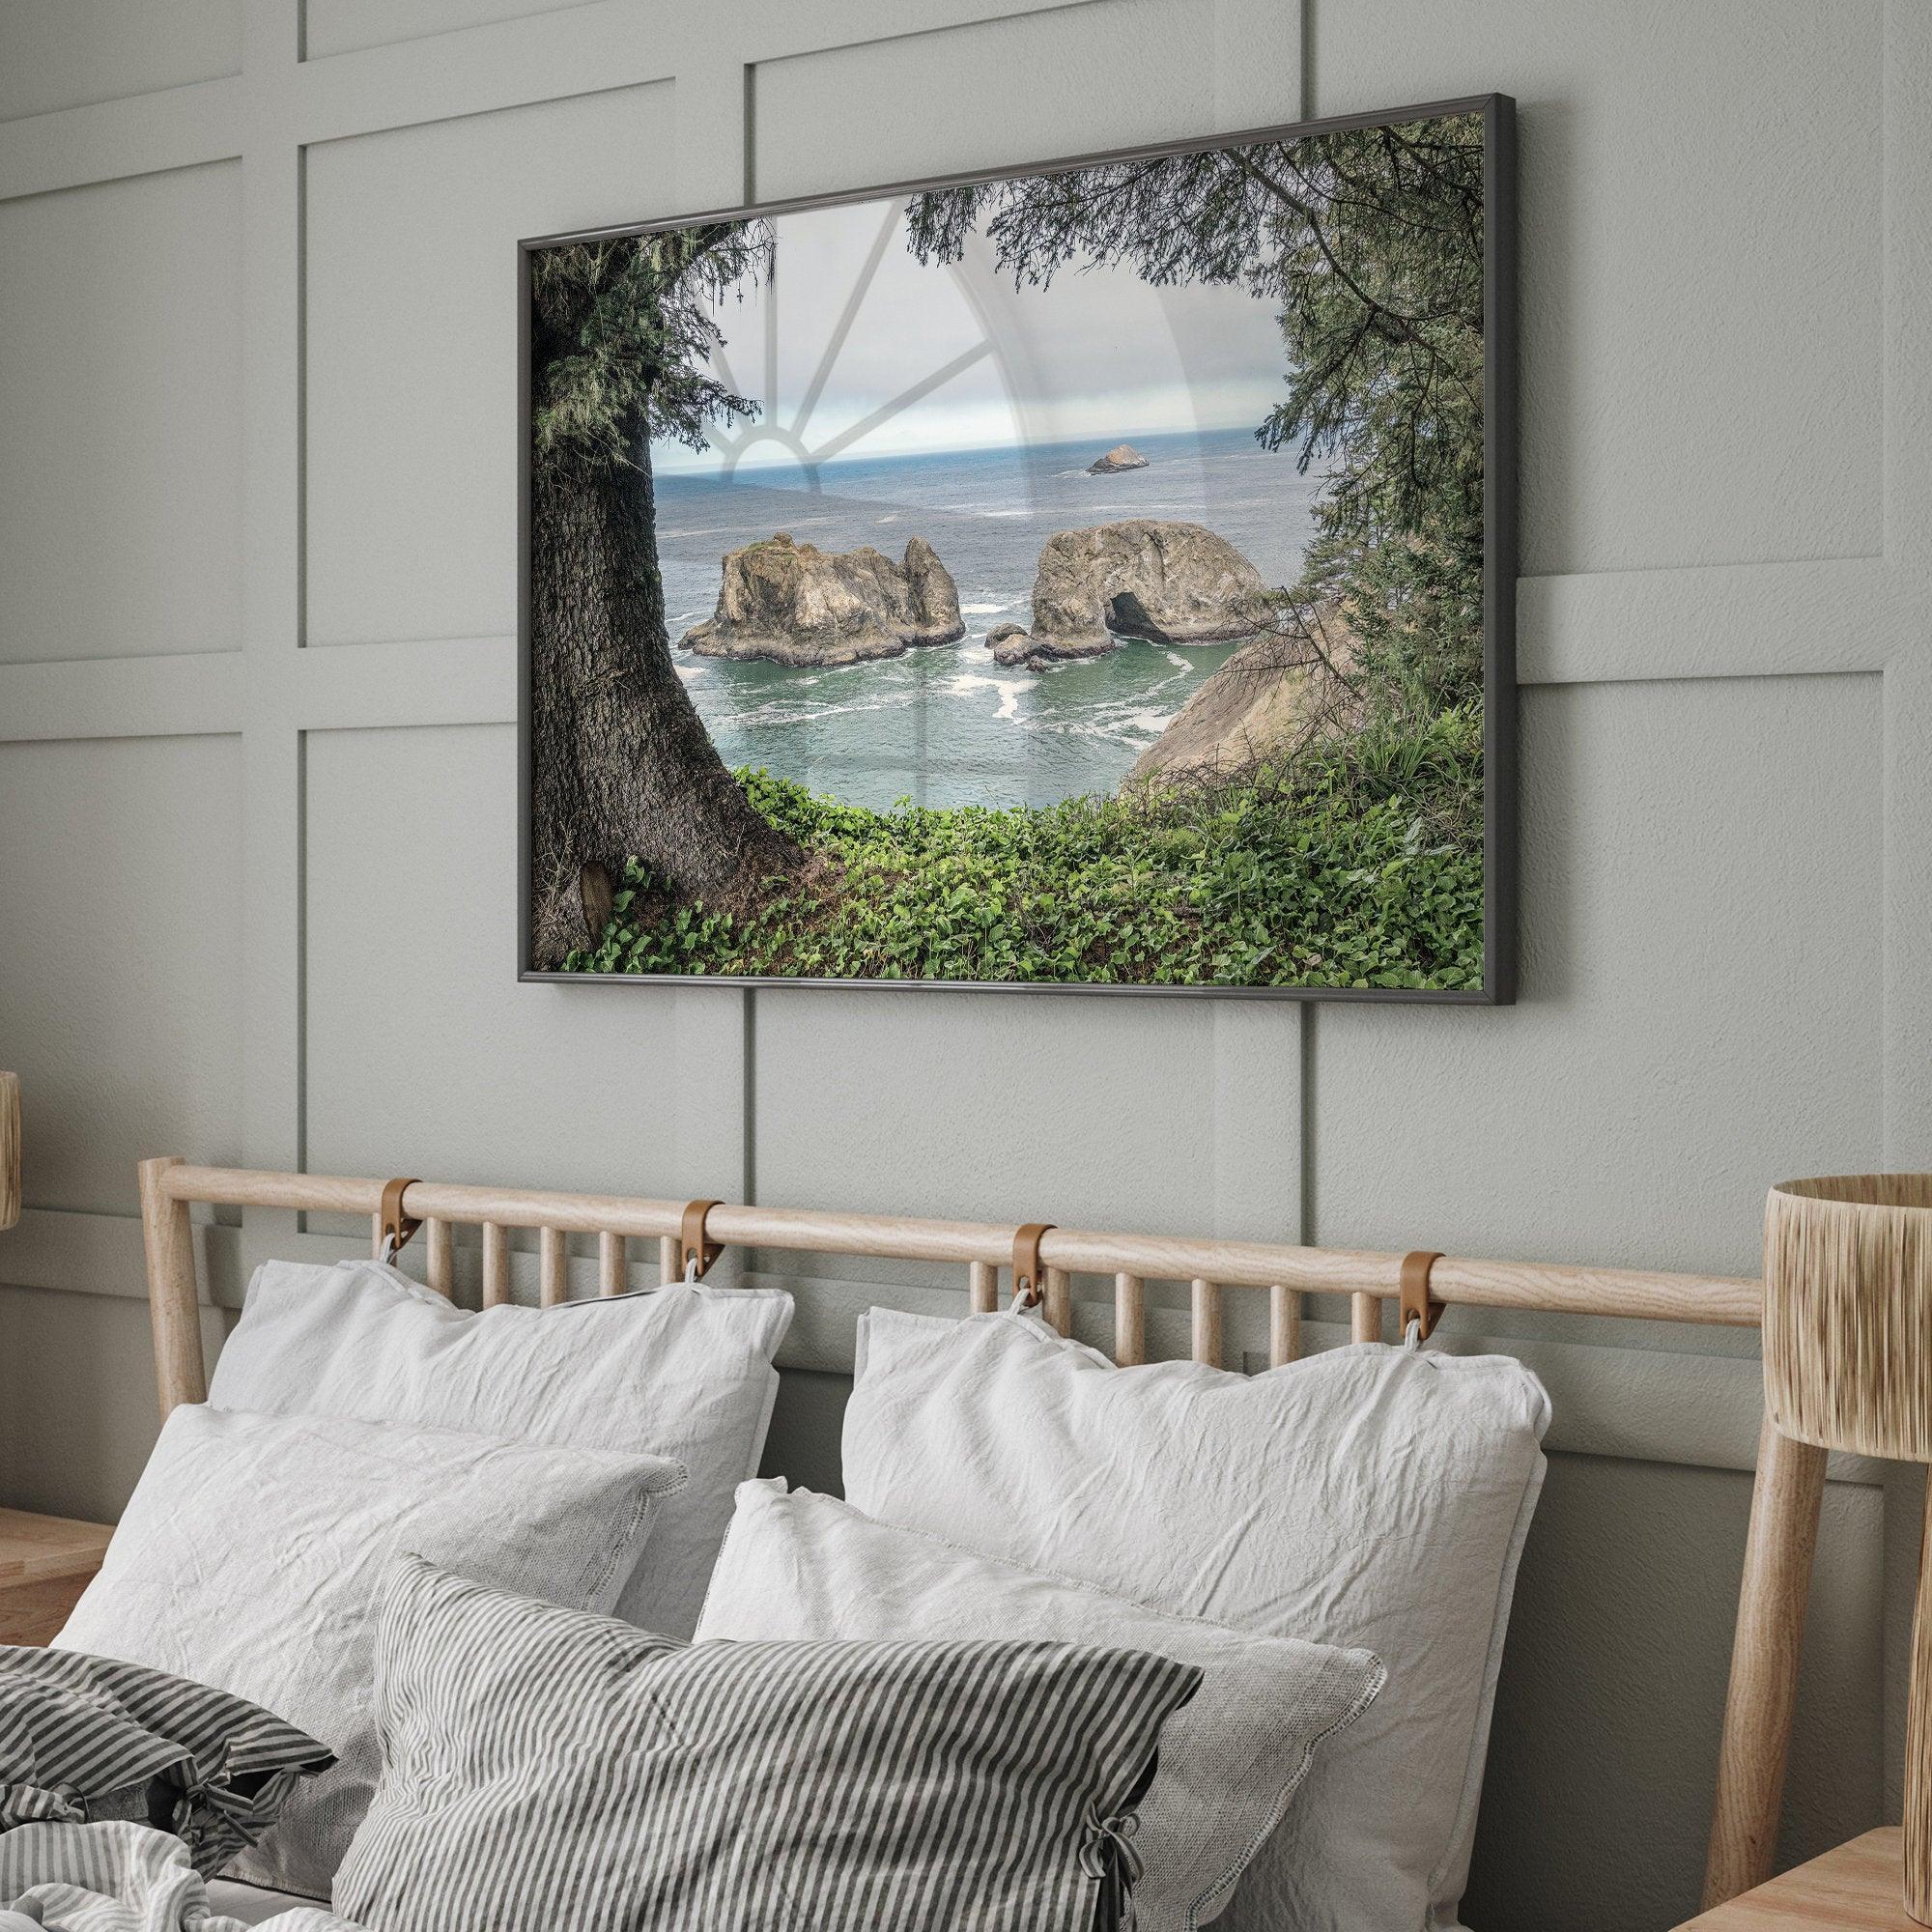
1043, 1259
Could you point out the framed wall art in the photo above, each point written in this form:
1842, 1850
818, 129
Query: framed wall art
1096, 575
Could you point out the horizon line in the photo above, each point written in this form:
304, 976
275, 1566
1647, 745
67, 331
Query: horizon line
964, 449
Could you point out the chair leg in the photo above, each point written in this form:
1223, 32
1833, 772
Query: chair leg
1785, 1500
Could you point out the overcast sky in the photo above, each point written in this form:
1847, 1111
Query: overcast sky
1097, 356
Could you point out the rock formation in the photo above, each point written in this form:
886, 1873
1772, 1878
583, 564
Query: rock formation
1274, 694
1009, 643
1170, 583
1123, 456
798, 605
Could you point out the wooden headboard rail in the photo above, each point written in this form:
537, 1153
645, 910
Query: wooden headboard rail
1785, 1500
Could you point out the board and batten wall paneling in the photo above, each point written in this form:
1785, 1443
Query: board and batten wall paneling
344, 26
1158, 87
58, 54
257, 424
1621, 1635
1649, 1041
410, 443
417, 1033
119, 956
1702, 337
121, 417
72, 1442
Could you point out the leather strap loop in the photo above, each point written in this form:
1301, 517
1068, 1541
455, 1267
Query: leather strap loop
1418, 1305
394, 1225
1029, 1278
694, 1247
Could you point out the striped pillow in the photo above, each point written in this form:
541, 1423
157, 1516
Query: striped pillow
87, 1737
550, 1771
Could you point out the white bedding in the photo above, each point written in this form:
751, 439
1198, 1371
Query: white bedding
255, 1904
127, 1878
251, 1553
1365, 1495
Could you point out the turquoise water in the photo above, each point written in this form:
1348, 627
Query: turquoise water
945, 726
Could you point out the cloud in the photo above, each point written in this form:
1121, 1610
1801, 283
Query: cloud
878, 354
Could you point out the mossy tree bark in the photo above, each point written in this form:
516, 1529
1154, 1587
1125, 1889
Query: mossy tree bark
620, 763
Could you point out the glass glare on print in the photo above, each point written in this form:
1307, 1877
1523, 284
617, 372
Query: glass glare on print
1067, 579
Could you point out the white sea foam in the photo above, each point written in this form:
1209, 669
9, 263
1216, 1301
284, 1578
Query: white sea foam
787, 711
982, 610
1008, 689
1114, 721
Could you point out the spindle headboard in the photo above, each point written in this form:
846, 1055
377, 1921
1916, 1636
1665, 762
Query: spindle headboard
1043, 1260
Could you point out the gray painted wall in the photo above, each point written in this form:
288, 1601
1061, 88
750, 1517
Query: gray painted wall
256, 759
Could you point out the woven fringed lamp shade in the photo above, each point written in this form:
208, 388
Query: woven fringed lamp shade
1848, 1365
1848, 1313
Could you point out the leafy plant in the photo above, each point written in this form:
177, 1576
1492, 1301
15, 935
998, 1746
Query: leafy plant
1341, 872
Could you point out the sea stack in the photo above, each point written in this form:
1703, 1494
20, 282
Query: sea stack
1123, 456
794, 604
1169, 584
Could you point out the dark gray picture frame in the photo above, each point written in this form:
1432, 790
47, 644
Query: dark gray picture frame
1500, 864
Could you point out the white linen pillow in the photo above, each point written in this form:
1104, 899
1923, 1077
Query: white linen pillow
253, 1554
684, 1372
801, 1566
1374, 1496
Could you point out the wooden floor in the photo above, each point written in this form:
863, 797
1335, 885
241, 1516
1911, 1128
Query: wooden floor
1856, 1887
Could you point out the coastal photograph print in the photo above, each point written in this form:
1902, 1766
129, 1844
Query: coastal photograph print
1091, 577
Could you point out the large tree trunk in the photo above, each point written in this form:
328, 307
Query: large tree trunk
620, 763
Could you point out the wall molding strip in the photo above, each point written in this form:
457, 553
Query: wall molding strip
1720, 620
147, 133
196, 694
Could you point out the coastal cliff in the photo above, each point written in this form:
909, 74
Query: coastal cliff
794, 604
1270, 697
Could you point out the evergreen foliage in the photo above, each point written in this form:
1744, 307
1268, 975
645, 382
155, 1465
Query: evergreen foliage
1370, 242
622, 331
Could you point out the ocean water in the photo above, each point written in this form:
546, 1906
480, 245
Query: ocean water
944, 724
